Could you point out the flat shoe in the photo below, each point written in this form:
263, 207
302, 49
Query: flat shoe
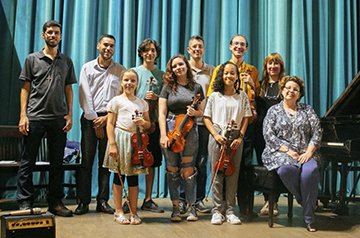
135, 220
310, 228
121, 219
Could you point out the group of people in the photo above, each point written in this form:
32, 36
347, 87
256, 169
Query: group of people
190, 112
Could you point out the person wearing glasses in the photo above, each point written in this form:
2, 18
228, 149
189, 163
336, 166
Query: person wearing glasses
249, 75
292, 133
273, 72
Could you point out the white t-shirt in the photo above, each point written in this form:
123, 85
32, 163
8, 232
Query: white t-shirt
125, 111
222, 109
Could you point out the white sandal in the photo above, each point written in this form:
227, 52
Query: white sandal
121, 219
135, 220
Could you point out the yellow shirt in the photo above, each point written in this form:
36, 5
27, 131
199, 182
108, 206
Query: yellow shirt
244, 68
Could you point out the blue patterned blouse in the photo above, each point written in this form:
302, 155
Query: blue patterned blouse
304, 130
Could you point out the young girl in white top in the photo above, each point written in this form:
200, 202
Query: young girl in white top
224, 105
121, 125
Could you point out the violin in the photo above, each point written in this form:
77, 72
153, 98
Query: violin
224, 163
183, 124
152, 106
141, 157
251, 96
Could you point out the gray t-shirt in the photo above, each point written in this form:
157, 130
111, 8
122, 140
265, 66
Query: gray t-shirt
177, 103
48, 80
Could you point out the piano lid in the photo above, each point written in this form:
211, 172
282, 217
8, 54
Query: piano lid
348, 102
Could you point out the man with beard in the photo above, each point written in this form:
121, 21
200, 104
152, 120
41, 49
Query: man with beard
99, 82
47, 76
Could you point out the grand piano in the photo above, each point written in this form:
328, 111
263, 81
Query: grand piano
341, 148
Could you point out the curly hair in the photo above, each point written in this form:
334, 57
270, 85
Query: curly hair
142, 48
299, 81
218, 85
170, 79
265, 75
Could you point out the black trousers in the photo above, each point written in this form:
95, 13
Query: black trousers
56, 140
89, 144
245, 175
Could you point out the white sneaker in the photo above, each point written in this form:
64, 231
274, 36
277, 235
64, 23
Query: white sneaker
232, 219
217, 218
192, 213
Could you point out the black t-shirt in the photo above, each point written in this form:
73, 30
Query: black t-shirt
177, 103
48, 80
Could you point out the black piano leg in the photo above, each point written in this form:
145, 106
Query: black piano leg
342, 209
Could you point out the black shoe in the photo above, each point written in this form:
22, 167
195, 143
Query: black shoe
310, 227
125, 208
200, 207
182, 207
151, 206
82, 209
59, 209
105, 208
25, 206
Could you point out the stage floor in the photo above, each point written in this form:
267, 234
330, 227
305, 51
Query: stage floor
94, 224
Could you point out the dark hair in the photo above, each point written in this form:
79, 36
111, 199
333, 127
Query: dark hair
146, 42
265, 75
196, 37
247, 43
107, 36
170, 79
299, 81
218, 85
121, 90
50, 24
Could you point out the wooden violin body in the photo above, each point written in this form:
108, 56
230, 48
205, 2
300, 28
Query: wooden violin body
183, 124
141, 157
251, 96
224, 164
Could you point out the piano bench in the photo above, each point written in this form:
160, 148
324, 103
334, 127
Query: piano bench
268, 182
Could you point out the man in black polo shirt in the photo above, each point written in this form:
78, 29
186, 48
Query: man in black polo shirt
47, 77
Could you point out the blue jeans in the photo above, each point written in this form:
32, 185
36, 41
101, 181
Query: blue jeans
56, 140
175, 160
201, 165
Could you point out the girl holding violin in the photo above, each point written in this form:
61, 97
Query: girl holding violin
226, 105
180, 150
126, 112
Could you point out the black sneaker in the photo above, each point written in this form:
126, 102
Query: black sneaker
125, 208
59, 209
151, 206
175, 215
182, 207
200, 207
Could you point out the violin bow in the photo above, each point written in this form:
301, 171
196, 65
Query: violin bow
214, 175
123, 187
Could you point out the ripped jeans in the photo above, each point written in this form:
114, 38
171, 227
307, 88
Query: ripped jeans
175, 160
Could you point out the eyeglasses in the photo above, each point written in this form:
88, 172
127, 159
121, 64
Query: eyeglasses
295, 90
239, 44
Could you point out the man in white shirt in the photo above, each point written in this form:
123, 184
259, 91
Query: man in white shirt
99, 82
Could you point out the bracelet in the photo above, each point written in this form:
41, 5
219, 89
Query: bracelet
241, 136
